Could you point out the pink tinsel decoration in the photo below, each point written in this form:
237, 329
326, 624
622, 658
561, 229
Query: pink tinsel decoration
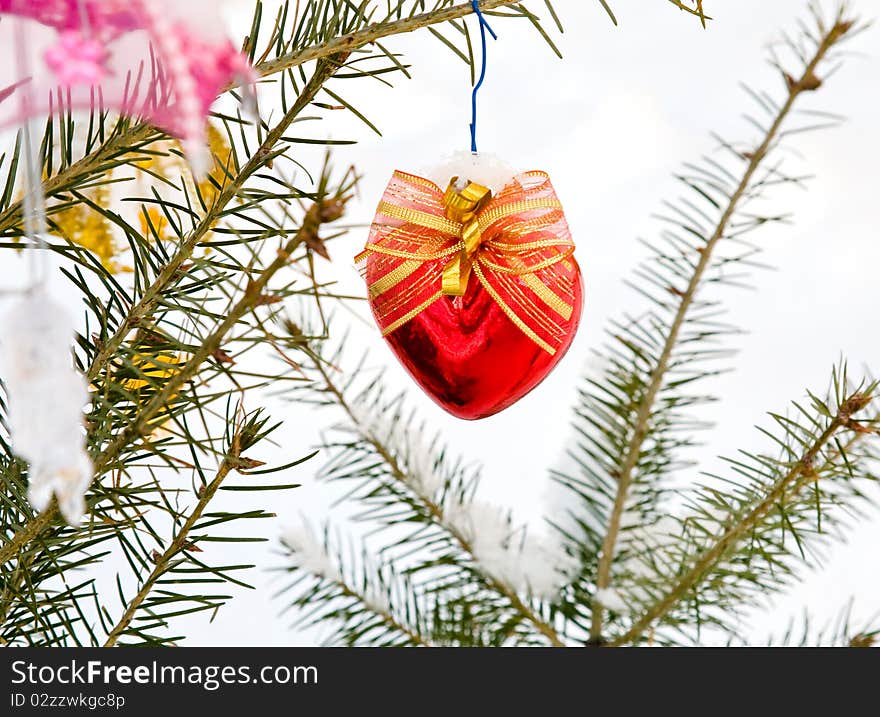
162, 60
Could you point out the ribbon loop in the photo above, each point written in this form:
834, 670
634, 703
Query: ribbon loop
463, 201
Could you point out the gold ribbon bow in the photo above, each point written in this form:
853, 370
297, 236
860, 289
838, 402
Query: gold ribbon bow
424, 244
463, 201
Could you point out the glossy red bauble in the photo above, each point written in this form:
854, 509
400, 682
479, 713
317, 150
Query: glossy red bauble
478, 295
469, 357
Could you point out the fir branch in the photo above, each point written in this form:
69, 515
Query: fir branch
790, 484
842, 633
363, 606
29, 532
837, 632
178, 544
387, 618
411, 636
120, 416
321, 212
697, 10
127, 139
374, 32
807, 82
163, 321
791, 535
249, 429
171, 272
436, 514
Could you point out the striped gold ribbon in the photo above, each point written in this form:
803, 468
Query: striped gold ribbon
460, 238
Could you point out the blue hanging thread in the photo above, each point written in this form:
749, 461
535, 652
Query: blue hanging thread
483, 27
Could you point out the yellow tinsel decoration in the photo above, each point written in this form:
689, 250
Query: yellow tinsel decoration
154, 367
82, 225
153, 370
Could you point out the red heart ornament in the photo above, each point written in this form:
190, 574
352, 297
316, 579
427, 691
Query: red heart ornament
470, 358
478, 353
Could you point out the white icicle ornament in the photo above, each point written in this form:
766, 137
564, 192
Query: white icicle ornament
46, 397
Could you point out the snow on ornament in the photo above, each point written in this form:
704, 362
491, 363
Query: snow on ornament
45, 401
475, 288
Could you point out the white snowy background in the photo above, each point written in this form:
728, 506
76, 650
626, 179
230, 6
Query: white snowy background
610, 123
